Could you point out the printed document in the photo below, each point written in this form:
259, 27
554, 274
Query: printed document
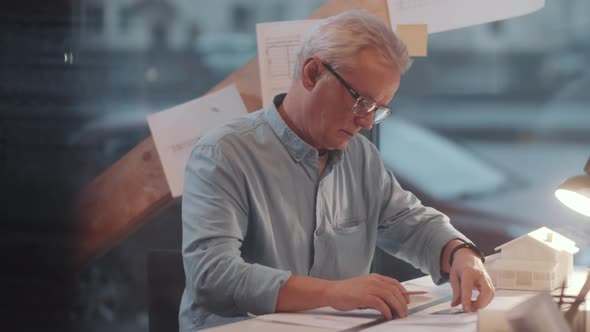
176, 130
277, 47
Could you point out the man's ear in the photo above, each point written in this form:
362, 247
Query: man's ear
310, 72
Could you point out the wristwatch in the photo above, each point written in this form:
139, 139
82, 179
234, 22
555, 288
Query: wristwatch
470, 246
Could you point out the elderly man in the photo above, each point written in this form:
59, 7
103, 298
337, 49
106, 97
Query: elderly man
283, 208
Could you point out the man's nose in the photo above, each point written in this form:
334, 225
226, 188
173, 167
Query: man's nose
365, 122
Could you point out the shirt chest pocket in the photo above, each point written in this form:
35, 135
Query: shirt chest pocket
348, 225
351, 248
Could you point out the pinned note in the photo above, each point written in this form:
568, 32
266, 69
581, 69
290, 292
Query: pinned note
415, 36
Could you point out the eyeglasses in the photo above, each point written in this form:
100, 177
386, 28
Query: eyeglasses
363, 106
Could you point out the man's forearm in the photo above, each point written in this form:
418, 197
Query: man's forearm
302, 293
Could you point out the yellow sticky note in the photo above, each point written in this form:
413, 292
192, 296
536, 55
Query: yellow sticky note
415, 36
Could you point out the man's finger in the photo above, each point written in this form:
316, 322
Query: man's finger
456, 287
394, 289
390, 298
377, 303
486, 293
395, 283
403, 299
466, 289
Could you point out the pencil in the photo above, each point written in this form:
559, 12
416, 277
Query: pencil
414, 292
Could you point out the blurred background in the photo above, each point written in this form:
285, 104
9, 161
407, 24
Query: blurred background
486, 127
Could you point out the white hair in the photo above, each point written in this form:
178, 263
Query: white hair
338, 39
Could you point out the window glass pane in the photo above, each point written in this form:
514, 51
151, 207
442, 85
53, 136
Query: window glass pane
78, 78
524, 278
439, 166
541, 275
499, 116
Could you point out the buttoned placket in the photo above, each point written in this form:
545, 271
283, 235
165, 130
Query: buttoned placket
320, 220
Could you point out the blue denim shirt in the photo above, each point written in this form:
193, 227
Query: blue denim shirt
256, 211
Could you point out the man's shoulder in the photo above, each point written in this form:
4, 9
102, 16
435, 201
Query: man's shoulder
233, 131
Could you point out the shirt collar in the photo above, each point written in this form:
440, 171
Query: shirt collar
297, 147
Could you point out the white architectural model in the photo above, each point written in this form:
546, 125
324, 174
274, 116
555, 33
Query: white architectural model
540, 260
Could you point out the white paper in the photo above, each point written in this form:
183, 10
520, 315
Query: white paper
325, 318
278, 43
435, 313
420, 325
176, 130
425, 284
443, 15
431, 319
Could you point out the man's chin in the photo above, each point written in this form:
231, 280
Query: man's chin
340, 145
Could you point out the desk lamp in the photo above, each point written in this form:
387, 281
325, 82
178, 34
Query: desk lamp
575, 192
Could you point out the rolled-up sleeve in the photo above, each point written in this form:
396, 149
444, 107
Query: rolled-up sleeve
214, 224
411, 231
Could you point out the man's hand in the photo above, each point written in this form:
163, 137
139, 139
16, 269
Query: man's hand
370, 291
468, 273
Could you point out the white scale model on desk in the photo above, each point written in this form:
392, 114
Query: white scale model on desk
540, 260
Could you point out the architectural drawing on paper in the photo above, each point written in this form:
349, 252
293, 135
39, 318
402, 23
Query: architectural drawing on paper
539, 260
278, 43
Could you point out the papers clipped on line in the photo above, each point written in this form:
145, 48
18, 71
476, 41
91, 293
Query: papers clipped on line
176, 130
278, 43
443, 15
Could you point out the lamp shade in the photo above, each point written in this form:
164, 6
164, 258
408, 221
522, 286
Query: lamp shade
575, 192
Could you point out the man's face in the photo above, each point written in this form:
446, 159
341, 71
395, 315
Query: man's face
330, 122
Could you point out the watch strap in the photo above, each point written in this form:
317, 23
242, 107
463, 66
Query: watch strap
470, 246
